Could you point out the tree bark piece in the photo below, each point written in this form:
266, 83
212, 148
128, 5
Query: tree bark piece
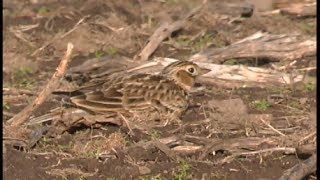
254, 76
261, 46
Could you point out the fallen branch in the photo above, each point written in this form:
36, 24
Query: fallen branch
300, 10
22, 116
238, 73
163, 32
231, 157
235, 143
301, 169
250, 74
260, 46
187, 149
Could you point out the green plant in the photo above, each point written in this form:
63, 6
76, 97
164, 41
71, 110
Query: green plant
112, 51
306, 27
173, 2
65, 147
201, 42
150, 177
44, 141
154, 134
231, 62
5, 105
111, 178
182, 41
309, 86
81, 178
21, 78
43, 10
92, 154
182, 172
98, 54
261, 105
217, 175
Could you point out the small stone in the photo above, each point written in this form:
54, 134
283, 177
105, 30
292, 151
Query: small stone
143, 170
303, 101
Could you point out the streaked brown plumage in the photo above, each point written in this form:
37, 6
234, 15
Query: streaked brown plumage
144, 97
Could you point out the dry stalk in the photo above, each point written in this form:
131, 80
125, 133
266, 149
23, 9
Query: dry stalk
271, 127
307, 137
22, 116
164, 31
231, 157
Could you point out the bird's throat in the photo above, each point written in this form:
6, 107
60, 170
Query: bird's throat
184, 80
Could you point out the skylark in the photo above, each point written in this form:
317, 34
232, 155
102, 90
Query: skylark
141, 97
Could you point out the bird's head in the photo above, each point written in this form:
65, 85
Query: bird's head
184, 73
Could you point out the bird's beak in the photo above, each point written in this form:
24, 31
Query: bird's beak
204, 71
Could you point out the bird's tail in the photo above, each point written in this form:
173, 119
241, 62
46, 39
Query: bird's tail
53, 115
57, 114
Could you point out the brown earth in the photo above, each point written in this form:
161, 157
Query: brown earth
121, 28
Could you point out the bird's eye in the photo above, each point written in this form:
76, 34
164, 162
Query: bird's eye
191, 70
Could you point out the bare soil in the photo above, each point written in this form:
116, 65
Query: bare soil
121, 28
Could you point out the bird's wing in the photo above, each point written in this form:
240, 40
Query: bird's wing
145, 91
101, 99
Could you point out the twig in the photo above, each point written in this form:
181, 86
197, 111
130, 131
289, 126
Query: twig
249, 142
157, 37
286, 149
19, 35
301, 169
165, 149
8, 114
22, 116
127, 123
163, 32
60, 37
307, 137
8, 91
271, 127
307, 69
187, 148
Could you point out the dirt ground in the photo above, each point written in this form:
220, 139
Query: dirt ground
36, 33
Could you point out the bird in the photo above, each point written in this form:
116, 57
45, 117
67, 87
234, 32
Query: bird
141, 97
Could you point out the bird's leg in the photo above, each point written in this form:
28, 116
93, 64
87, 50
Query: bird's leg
163, 110
174, 117
127, 123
